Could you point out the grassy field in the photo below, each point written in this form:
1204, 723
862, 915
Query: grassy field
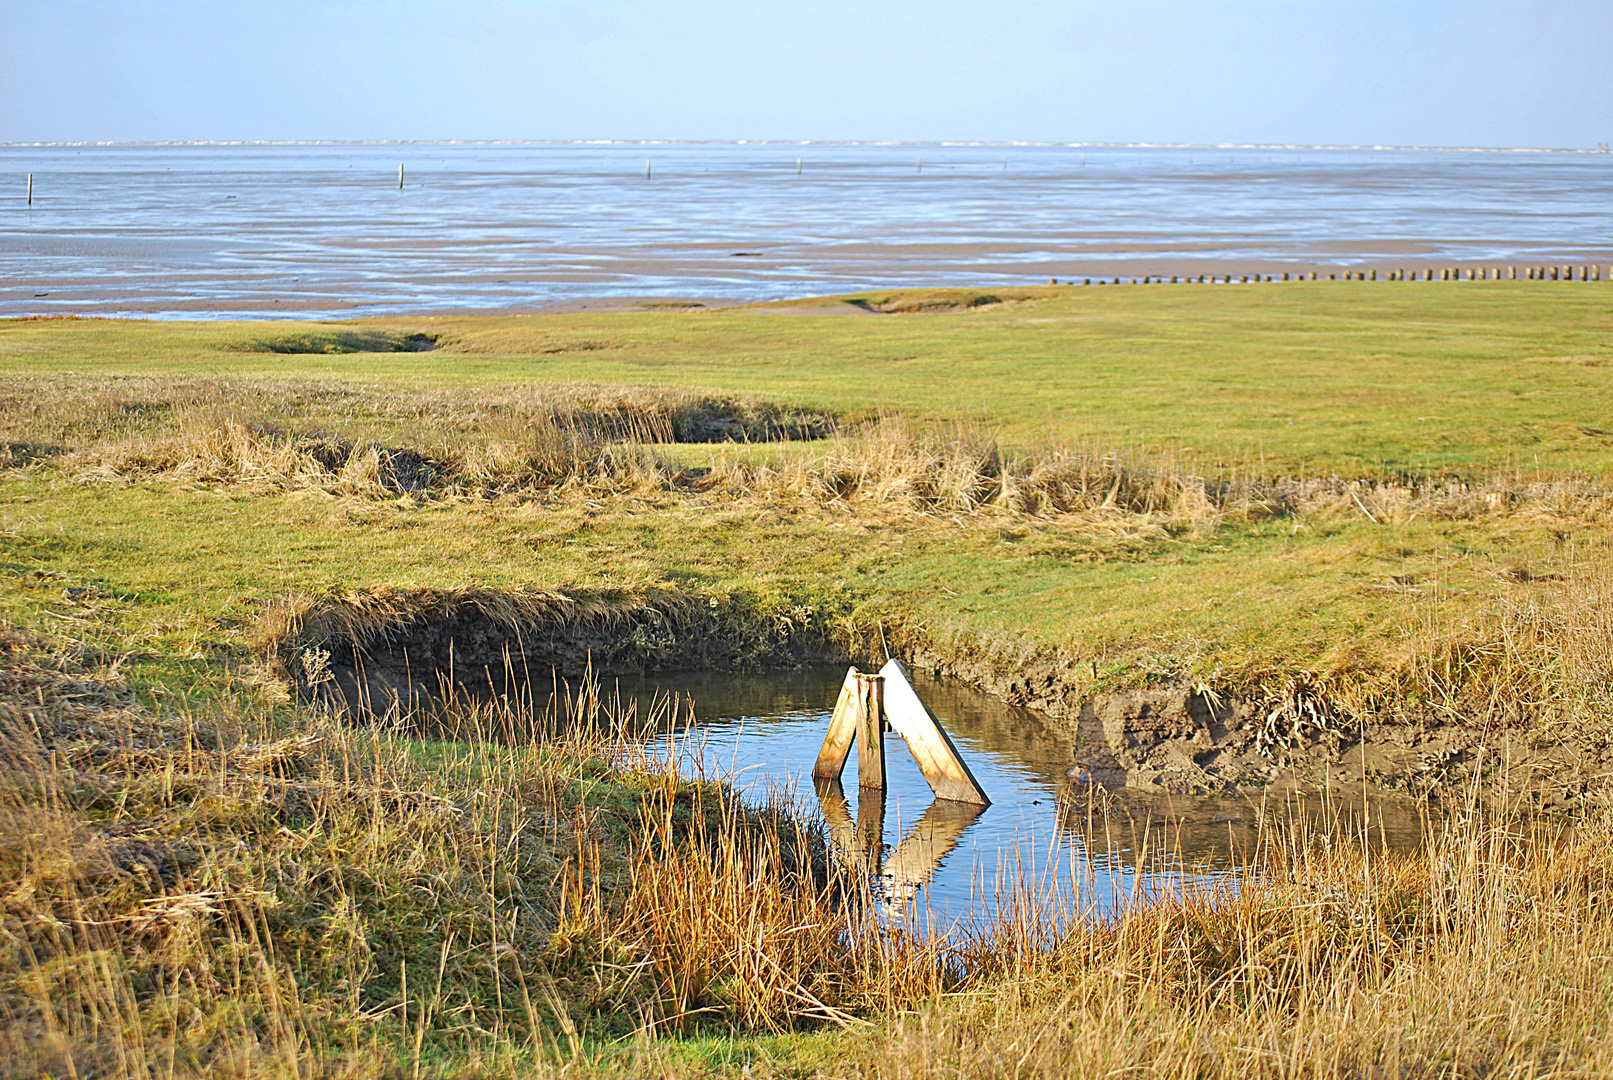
1396, 493
1320, 377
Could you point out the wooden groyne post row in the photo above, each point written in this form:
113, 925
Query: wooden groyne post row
1588, 272
869, 705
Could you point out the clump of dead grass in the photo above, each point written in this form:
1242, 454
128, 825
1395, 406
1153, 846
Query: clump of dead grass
1473, 957
357, 440
76, 414
1540, 659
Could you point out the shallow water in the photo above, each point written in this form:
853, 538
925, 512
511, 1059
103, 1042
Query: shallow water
300, 230
1077, 848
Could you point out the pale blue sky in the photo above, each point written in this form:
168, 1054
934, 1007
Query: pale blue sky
1480, 73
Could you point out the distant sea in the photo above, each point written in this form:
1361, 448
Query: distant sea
323, 230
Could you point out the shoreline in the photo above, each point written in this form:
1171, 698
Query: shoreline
1129, 272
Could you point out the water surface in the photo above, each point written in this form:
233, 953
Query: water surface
1075, 847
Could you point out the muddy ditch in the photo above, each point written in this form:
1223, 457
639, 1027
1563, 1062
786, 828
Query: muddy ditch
389, 650
378, 650
1176, 737
333, 342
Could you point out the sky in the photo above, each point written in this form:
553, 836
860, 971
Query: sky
1503, 73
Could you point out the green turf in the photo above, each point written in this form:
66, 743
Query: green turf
1301, 378
1352, 377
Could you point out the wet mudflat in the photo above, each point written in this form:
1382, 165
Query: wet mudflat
325, 230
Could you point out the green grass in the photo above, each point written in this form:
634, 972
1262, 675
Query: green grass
174, 575
1315, 376
181, 575
1323, 376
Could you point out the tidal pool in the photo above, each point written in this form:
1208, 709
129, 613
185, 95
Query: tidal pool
1049, 844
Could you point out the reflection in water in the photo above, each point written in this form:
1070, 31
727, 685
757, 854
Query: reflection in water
901, 872
1046, 840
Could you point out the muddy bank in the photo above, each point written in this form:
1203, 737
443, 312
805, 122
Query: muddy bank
1179, 738
376, 649
383, 650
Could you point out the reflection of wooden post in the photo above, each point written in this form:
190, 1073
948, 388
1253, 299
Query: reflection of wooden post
837, 815
862, 844
870, 834
870, 713
915, 860
842, 729
937, 758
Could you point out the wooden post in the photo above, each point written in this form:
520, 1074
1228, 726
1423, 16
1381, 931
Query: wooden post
646, 170
1512, 273
400, 176
30, 189
870, 714
842, 730
797, 166
921, 164
927, 741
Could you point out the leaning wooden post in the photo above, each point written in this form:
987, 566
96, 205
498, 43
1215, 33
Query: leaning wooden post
927, 740
842, 730
870, 731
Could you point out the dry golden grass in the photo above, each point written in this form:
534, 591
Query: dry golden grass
199, 896
1540, 658
221, 895
366, 441
1485, 955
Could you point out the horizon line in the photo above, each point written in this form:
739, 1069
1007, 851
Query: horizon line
1003, 144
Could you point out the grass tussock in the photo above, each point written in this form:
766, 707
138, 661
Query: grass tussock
157, 424
1540, 660
962, 468
532, 630
1479, 956
188, 896
352, 440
